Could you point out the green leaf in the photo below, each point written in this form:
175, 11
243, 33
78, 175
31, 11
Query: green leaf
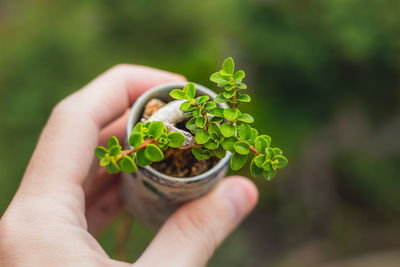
190, 91
201, 154
163, 142
229, 94
112, 141
105, 160
269, 153
213, 129
254, 169
211, 144
282, 161
220, 152
241, 86
112, 167
127, 165
185, 105
239, 75
277, 151
243, 98
238, 161
177, 94
196, 112
244, 132
230, 114
156, 129
216, 119
135, 139
220, 99
218, 78
262, 142
267, 165
191, 124
138, 127
202, 137
259, 160
210, 105
153, 153
202, 99
141, 158
229, 142
227, 129
115, 150
244, 117
175, 139
228, 66
242, 147
217, 112
269, 175
100, 152
254, 134
201, 122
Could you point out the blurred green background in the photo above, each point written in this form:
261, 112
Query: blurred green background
324, 76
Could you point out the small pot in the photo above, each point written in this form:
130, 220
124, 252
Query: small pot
150, 196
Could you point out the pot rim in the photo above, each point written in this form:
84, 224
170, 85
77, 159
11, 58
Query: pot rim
136, 111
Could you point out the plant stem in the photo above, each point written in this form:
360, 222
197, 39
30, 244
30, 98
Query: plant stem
133, 150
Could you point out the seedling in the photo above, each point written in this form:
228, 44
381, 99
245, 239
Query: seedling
216, 131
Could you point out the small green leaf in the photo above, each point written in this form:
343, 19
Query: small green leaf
228, 66
211, 144
196, 112
218, 78
244, 117
229, 87
230, 114
115, 150
135, 139
220, 99
156, 129
242, 147
239, 75
190, 91
163, 143
202, 137
216, 119
254, 169
244, 132
262, 142
227, 129
229, 94
277, 151
175, 139
210, 105
191, 124
105, 160
238, 161
185, 105
202, 99
153, 153
141, 158
269, 175
243, 98
254, 134
229, 142
217, 112
100, 152
138, 127
127, 165
201, 154
259, 160
213, 129
112, 141
177, 94
241, 86
201, 122
267, 165
112, 167
282, 161
220, 152
269, 153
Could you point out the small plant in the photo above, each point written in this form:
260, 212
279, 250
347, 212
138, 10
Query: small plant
216, 130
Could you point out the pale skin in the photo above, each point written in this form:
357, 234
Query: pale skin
59, 206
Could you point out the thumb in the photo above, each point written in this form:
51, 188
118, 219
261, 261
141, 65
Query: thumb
191, 235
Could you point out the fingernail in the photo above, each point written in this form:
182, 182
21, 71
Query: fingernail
236, 199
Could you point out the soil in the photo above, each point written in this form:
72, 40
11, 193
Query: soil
178, 162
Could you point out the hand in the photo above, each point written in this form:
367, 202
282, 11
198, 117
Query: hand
45, 224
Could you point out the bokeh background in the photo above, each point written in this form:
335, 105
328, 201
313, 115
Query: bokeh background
324, 76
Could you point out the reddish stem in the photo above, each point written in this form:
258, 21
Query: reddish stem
133, 150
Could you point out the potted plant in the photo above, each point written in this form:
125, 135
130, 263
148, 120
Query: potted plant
195, 127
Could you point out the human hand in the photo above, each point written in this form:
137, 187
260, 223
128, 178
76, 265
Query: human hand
61, 201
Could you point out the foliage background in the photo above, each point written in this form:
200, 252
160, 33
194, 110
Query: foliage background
324, 76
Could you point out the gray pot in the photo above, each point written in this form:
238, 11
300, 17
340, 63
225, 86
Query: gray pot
150, 196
